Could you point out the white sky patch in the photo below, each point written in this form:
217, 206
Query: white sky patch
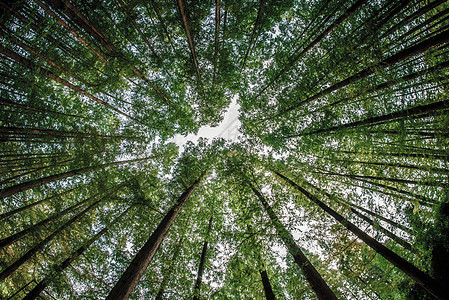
228, 128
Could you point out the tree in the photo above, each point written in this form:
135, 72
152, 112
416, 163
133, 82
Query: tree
345, 100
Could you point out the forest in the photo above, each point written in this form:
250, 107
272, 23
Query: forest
336, 188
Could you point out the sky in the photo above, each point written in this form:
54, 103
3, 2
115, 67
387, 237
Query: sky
227, 129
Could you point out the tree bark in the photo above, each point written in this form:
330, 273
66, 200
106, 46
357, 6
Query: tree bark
269, 295
315, 280
428, 283
34, 293
197, 288
130, 278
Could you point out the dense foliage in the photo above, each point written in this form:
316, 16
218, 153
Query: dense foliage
337, 187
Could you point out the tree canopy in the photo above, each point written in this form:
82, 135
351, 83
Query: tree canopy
337, 187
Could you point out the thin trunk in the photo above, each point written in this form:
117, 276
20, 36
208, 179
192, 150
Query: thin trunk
428, 283
315, 280
41, 181
53, 133
58, 79
130, 278
391, 83
253, 35
269, 295
417, 111
34, 293
13, 296
297, 56
189, 37
76, 17
400, 56
385, 231
20, 209
376, 215
397, 180
217, 36
7, 102
59, 164
79, 19
398, 165
142, 35
15, 237
14, 266
197, 288
159, 17
167, 274
419, 12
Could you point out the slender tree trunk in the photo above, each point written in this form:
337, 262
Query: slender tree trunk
185, 24
253, 35
130, 278
166, 278
428, 283
14, 266
376, 215
217, 36
41, 181
417, 111
59, 164
388, 233
297, 56
315, 280
17, 210
34, 293
15, 237
58, 79
269, 295
53, 133
197, 288
401, 55
7, 102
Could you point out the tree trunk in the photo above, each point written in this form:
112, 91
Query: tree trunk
419, 110
34, 293
315, 280
14, 266
297, 56
428, 283
41, 181
64, 82
7, 102
376, 215
17, 210
253, 35
15, 237
388, 233
130, 278
166, 278
269, 295
217, 36
197, 288
189, 37
401, 55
